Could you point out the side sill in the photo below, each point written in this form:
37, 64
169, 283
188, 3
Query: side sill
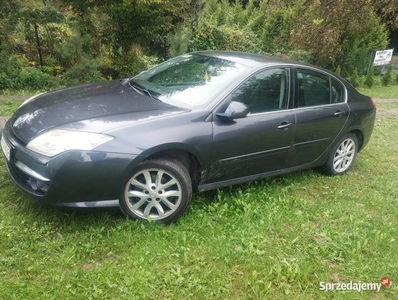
91, 204
224, 183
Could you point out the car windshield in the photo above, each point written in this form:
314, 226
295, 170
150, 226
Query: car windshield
189, 80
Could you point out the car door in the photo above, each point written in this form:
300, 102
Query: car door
261, 141
321, 114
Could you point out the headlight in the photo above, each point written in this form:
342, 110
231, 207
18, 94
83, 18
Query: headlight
30, 99
56, 141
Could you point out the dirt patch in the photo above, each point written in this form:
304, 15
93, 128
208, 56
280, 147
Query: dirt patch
386, 112
385, 101
3, 121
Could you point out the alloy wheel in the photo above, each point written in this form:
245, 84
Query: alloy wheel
153, 194
344, 155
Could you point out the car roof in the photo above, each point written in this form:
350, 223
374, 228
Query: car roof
247, 59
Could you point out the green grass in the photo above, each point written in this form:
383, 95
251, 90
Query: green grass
8, 106
382, 92
271, 239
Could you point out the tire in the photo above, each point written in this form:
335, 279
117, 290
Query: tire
158, 190
342, 156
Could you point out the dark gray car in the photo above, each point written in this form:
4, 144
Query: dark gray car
197, 122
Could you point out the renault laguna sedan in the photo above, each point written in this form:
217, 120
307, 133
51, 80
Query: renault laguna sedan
197, 122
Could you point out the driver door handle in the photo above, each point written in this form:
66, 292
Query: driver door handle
285, 125
338, 113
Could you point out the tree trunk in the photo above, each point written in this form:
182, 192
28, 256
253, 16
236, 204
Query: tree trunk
38, 45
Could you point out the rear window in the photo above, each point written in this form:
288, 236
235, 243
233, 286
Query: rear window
315, 88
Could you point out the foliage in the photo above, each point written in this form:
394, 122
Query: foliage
133, 62
211, 37
17, 74
276, 26
338, 70
85, 71
104, 39
355, 79
369, 80
35, 79
179, 42
387, 78
335, 33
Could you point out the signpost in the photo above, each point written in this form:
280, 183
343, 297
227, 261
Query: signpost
383, 57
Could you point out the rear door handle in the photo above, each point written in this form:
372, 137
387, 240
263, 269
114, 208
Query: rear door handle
285, 125
338, 113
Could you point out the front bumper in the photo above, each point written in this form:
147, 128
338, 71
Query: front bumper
80, 179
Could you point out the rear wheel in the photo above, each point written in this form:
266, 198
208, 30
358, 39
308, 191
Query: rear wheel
342, 156
158, 190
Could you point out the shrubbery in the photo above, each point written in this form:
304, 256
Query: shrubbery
355, 79
85, 42
369, 80
211, 37
387, 78
16, 74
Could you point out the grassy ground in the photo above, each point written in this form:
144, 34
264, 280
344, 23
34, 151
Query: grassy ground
277, 239
381, 91
10, 103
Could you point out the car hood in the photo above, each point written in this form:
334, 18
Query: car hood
88, 102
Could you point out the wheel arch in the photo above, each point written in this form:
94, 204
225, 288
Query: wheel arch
358, 133
176, 152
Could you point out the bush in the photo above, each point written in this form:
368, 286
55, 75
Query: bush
85, 71
6, 82
298, 55
178, 42
10, 67
35, 79
355, 79
17, 75
133, 62
211, 37
387, 77
369, 81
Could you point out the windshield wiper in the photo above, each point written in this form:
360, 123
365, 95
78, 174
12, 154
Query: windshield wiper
142, 90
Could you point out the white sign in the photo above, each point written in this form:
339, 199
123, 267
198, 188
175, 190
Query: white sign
383, 57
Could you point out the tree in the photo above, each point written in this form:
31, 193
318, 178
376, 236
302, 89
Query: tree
387, 78
369, 80
336, 32
355, 78
40, 17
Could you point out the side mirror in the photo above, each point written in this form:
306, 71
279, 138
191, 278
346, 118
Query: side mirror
235, 110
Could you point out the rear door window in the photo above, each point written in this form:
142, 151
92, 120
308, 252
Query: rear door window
338, 92
313, 88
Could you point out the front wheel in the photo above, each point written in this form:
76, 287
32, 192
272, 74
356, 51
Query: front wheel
342, 156
158, 190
